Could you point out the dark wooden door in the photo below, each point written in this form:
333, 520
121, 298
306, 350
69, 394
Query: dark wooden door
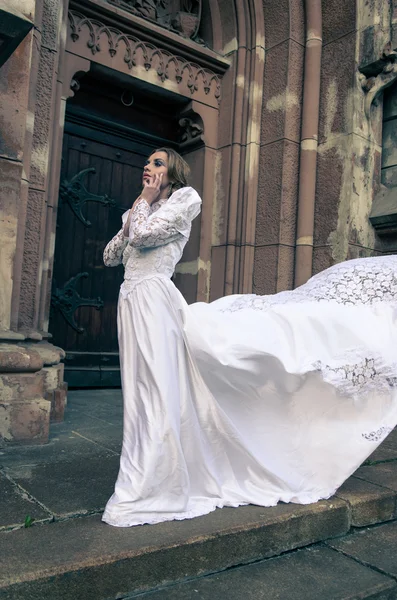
100, 178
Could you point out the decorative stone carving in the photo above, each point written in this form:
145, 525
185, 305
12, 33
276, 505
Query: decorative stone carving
138, 53
378, 76
181, 16
191, 130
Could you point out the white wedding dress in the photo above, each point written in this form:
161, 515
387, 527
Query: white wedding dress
249, 399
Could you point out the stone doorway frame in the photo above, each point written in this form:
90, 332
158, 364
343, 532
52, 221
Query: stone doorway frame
224, 95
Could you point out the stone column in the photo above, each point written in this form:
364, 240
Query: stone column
31, 377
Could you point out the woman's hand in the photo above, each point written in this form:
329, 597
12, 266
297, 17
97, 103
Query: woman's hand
151, 188
150, 193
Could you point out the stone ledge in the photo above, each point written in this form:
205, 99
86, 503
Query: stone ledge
10, 336
369, 503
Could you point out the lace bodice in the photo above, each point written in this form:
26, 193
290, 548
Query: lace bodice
157, 237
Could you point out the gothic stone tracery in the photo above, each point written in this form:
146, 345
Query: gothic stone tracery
193, 78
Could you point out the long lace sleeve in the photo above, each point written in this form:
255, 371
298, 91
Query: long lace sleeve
171, 221
113, 253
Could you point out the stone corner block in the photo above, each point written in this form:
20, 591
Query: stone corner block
16, 358
25, 422
50, 354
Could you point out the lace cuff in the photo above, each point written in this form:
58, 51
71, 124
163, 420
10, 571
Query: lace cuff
113, 253
171, 221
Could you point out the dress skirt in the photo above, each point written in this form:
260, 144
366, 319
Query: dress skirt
226, 405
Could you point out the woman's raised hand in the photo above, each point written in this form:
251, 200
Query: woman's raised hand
151, 188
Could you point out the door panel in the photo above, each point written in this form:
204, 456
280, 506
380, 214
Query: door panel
85, 292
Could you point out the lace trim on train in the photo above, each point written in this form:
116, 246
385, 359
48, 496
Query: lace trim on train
353, 374
363, 281
377, 436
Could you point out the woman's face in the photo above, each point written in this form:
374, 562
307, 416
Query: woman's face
157, 164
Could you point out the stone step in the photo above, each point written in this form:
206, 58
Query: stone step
311, 574
84, 558
69, 553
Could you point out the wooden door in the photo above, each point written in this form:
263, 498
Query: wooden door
100, 178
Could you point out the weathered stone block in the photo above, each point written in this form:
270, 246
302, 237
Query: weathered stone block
50, 379
285, 270
14, 93
12, 194
322, 258
20, 386
336, 87
51, 24
339, 19
55, 390
330, 167
276, 29
50, 354
265, 270
277, 193
58, 403
15, 358
282, 93
45, 89
31, 259
26, 421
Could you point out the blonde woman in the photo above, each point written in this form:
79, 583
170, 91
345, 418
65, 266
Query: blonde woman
249, 399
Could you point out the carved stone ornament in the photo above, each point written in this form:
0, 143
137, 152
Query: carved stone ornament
191, 131
75, 194
378, 76
181, 16
137, 53
67, 300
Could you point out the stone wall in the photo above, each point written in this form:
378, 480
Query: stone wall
349, 142
31, 377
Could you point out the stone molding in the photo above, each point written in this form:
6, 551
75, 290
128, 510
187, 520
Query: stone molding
190, 78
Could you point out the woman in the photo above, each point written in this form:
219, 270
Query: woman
249, 399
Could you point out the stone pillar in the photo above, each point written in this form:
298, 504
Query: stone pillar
279, 146
31, 376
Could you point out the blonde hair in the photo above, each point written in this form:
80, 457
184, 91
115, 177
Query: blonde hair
178, 169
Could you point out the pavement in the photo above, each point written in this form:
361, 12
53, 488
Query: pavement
53, 544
